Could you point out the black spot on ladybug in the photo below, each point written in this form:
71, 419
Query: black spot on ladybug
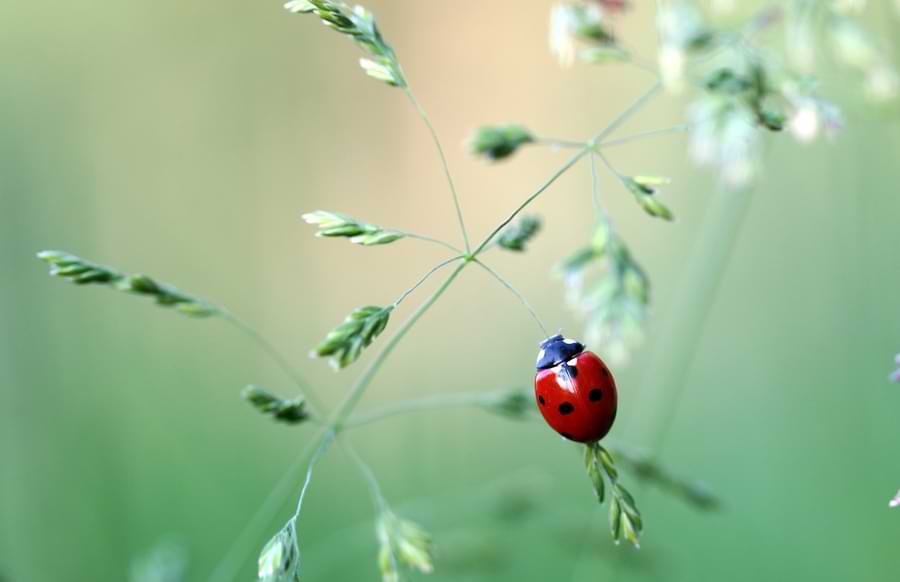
566, 435
595, 395
541, 400
566, 408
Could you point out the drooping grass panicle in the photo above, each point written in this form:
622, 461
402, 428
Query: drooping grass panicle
594, 470
291, 411
345, 343
754, 88
511, 404
745, 93
498, 142
83, 272
79, 271
583, 29
606, 285
624, 518
645, 468
402, 543
333, 224
683, 33
279, 560
516, 236
359, 24
644, 189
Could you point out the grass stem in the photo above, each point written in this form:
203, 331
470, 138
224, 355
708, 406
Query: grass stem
444, 165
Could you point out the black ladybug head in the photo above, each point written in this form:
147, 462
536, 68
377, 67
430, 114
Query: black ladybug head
556, 350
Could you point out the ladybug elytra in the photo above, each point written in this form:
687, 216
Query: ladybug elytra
574, 389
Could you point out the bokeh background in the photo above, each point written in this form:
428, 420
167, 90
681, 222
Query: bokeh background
184, 140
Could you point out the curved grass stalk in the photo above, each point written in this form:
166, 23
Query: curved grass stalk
638, 104
644, 134
430, 239
600, 215
559, 143
270, 350
425, 278
609, 166
446, 167
328, 436
518, 295
531, 198
420, 404
369, 475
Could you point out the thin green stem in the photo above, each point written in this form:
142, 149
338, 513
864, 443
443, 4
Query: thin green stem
440, 401
645, 134
613, 125
328, 436
378, 499
531, 198
440, 150
356, 391
518, 295
628, 112
595, 189
231, 563
559, 143
427, 276
610, 167
374, 487
270, 350
638, 60
430, 239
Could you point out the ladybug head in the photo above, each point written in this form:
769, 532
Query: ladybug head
556, 350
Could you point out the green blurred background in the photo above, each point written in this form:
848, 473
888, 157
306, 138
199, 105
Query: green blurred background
184, 140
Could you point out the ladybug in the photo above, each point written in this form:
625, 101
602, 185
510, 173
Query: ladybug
574, 389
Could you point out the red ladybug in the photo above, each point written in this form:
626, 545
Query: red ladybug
575, 391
